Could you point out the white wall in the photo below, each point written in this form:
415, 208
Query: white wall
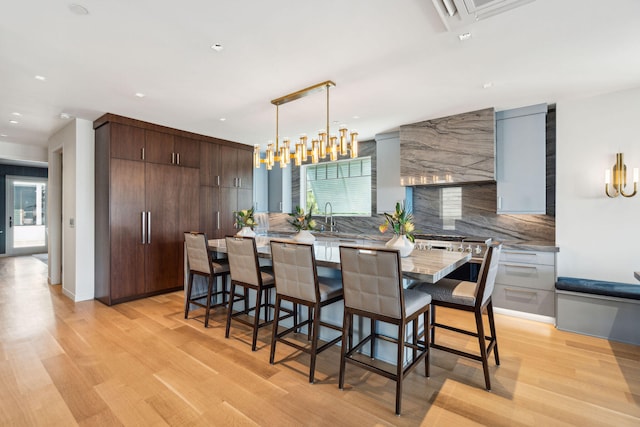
76, 229
599, 237
32, 153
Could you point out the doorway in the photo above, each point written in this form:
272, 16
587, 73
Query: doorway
26, 215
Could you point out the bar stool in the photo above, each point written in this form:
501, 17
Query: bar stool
372, 281
201, 264
247, 273
474, 297
297, 281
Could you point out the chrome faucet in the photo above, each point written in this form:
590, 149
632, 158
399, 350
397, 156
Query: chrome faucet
328, 218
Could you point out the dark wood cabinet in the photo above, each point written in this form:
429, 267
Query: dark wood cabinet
210, 164
236, 168
187, 152
127, 142
226, 173
236, 191
210, 220
172, 203
147, 197
126, 249
170, 149
142, 211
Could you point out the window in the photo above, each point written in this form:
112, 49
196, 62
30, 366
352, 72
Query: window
346, 184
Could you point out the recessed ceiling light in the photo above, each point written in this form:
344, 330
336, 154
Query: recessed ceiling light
41, 78
356, 117
217, 47
487, 85
464, 36
16, 114
14, 122
64, 116
78, 9
222, 119
140, 95
3, 135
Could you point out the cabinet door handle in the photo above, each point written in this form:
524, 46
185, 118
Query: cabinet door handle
142, 153
173, 158
521, 291
280, 207
239, 182
178, 156
218, 180
531, 267
144, 227
218, 220
149, 227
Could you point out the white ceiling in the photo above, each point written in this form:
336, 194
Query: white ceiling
393, 62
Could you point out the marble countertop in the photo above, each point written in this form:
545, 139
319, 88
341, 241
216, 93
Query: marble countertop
523, 245
427, 265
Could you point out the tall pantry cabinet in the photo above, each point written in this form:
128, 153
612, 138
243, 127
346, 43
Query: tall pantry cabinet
153, 183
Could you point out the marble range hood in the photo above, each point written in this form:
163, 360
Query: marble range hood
451, 150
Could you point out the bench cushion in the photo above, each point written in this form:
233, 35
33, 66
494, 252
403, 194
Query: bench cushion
598, 287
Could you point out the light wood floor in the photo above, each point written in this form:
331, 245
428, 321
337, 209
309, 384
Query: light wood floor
142, 363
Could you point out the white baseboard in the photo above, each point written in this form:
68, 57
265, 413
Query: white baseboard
525, 315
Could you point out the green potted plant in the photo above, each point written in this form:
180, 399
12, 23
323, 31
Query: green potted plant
303, 223
245, 221
401, 223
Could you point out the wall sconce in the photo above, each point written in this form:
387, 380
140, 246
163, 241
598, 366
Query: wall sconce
620, 178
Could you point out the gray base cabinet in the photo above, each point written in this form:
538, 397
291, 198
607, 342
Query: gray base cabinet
526, 282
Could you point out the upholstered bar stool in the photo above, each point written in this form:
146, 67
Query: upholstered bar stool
473, 297
372, 281
297, 281
201, 264
247, 274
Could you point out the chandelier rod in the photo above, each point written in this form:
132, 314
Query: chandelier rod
302, 93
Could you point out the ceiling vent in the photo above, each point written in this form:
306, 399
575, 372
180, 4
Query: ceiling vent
459, 13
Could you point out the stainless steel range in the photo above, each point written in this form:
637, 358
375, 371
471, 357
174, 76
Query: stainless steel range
477, 246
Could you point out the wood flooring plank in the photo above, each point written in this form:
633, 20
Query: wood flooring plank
142, 363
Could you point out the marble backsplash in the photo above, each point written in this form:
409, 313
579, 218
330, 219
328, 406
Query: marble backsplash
468, 210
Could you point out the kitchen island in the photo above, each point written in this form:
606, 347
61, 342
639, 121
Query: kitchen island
429, 265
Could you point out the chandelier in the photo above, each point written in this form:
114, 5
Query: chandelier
325, 144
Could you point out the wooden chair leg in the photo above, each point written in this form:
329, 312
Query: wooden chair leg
483, 348
399, 366
432, 328
188, 296
274, 332
210, 286
232, 291
492, 329
427, 343
314, 341
373, 338
256, 319
310, 325
347, 336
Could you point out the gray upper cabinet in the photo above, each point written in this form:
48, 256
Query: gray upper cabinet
280, 189
388, 188
520, 160
260, 190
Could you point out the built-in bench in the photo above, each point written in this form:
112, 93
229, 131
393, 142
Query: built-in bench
599, 308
